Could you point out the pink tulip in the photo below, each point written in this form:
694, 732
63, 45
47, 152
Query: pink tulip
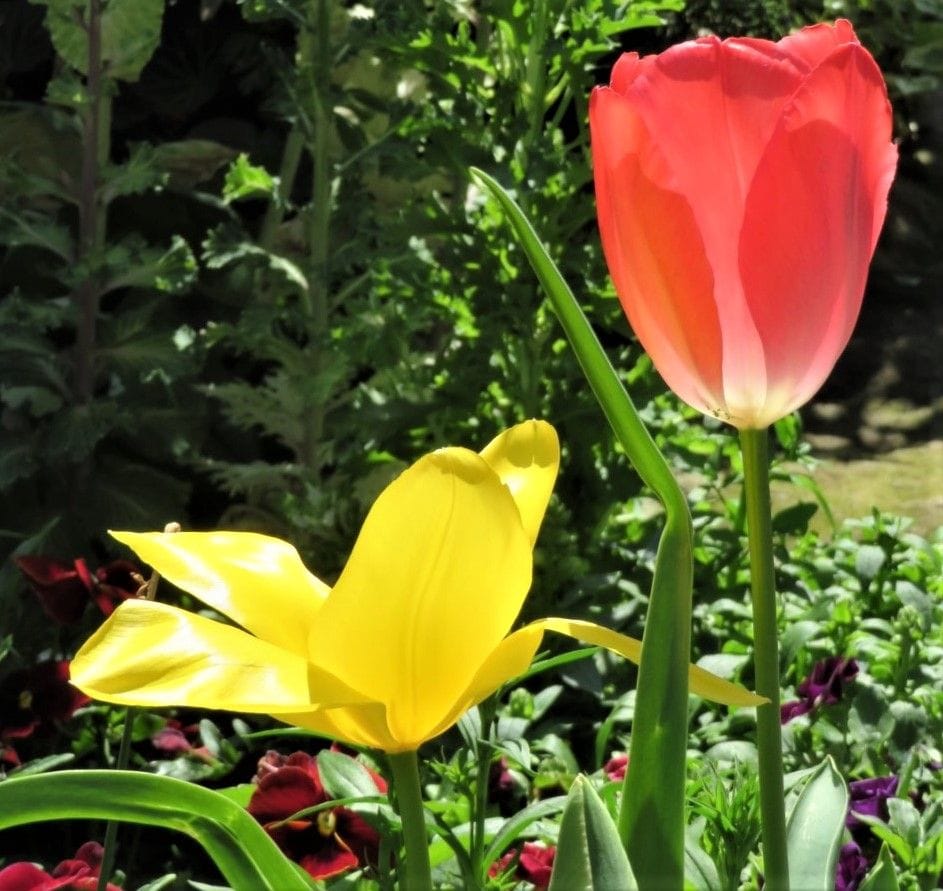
741, 187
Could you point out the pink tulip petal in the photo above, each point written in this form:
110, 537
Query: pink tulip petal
811, 222
811, 46
655, 254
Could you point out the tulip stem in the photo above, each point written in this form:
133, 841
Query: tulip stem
416, 874
754, 445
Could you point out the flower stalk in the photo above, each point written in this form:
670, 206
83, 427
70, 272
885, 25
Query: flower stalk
754, 445
416, 874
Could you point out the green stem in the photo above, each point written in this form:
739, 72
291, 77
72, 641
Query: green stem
111, 830
92, 221
416, 874
484, 751
275, 212
754, 445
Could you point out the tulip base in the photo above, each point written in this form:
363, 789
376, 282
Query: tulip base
755, 448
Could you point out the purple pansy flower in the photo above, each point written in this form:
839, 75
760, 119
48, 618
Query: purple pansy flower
852, 868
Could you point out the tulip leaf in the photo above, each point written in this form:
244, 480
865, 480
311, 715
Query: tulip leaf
590, 855
883, 876
651, 822
240, 847
815, 827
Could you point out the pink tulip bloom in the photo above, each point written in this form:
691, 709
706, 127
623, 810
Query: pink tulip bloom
741, 186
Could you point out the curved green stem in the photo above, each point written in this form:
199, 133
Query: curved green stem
755, 447
651, 818
416, 874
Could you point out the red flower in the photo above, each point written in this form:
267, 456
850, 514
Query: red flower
78, 874
534, 865
741, 186
325, 844
64, 589
616, 766
37, 697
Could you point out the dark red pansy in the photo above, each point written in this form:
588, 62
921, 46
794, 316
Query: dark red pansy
64, 589
39, 696
324, 844
534, 864
78, 873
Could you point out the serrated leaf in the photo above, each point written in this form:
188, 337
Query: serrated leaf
140, 173
36, 230
247, 180
815, 828
590, 855
170, 271
130, 33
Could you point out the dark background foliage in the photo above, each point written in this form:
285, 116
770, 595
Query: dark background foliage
245, 278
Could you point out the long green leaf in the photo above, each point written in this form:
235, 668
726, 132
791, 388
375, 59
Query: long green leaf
590, 856
814, 829
245, 855
651, 821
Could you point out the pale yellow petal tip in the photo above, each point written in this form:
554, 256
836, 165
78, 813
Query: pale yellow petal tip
530, 443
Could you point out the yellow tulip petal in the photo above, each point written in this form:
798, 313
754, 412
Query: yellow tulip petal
357, 725
152, 654
512, 657
257, 581
700, 682
526, 458
434, 583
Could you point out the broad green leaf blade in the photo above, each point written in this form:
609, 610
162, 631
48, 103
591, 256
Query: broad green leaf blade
652, 818
815, 827
883, 876
590, 856
130, 33
244, 853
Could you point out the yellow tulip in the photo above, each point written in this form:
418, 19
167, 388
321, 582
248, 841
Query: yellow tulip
413, 634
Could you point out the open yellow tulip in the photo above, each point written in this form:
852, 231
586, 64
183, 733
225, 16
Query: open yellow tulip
414, 632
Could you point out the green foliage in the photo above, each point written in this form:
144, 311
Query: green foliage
590, 854
130, 31
815, 828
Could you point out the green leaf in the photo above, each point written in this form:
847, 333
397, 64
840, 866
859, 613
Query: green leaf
652, 817
343, 776
190, 161
245, 180
590, 855
239, 846
512, 828
815, 827
130, 33
700, 872
883, 876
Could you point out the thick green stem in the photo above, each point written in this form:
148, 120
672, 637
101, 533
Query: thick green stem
416, 873
754, 445
314, 50
95, 151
